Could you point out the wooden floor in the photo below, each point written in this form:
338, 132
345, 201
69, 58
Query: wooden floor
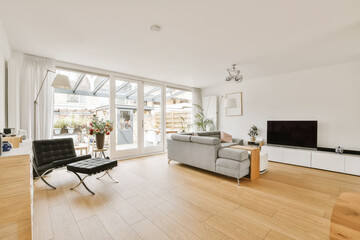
158, 201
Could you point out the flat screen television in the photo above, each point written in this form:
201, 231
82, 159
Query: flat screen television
292, 133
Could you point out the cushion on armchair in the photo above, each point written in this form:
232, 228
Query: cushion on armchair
64, 162
51, 150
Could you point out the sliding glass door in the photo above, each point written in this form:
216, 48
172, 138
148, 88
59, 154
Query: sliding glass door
153, 118
144, 113
137, 112
124, 106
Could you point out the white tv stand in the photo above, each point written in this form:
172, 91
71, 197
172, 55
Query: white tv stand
343, 163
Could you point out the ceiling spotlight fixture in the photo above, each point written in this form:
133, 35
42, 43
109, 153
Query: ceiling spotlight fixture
155, 28
234, 74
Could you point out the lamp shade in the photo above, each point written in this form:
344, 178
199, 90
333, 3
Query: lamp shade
61, 81
230, 103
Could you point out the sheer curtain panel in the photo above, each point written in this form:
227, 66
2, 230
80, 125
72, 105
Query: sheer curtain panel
33, 72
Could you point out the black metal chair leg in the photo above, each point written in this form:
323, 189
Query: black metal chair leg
41, 177
82, 181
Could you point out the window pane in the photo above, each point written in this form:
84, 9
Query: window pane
152, 116
74, 112
178, 111
126, 115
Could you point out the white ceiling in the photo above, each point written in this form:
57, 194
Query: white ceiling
199, 38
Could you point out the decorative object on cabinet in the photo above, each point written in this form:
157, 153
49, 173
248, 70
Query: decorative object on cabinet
6, 146
15, 141
253, 132
339, 150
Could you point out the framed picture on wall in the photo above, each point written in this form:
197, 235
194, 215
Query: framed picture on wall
237, 109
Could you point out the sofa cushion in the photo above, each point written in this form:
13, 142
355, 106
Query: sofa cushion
234, 154
183, 138
215, 134
232, 168
228, 144
238, 141
186, 133
225, 137
205, 140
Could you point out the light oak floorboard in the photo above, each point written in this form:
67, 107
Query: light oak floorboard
92, 229
148, 231
156, 200
63, 223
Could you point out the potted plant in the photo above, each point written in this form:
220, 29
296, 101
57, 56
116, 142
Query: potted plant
201, 122
71, 125
58, 125
100, 128
253, 132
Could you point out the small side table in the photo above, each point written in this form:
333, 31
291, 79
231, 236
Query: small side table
100, 151
81, 148
254, 160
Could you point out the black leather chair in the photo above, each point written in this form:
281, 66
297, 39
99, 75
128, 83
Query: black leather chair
52, 154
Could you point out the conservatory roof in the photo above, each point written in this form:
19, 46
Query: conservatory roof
88, 84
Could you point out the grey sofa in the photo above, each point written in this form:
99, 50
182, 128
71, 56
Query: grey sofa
205, 151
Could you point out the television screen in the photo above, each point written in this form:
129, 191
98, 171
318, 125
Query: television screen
292, 133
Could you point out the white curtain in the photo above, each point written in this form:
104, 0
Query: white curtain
33, 72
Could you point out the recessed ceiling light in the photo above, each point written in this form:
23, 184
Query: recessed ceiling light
155, 28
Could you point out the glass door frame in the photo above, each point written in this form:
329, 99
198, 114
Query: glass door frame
141, 149
114, 153
159, 148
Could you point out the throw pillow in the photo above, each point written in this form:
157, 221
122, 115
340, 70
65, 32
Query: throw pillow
224, 137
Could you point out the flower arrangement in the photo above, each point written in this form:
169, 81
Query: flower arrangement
97, 126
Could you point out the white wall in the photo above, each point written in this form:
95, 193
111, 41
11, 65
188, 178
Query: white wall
5, 53
329, 94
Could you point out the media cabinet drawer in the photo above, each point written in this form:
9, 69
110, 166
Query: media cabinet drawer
275, 154
328, 161
352, 165
297, 157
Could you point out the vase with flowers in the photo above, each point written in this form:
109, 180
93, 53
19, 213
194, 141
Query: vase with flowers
100, 128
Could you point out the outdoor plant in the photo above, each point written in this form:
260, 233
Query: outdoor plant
253, 131
201, 122
73, 124
97, 126
183, 124
61, 123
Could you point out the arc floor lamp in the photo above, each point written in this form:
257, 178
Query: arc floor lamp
60, 81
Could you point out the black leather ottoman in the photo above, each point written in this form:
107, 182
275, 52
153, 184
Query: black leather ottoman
91, 167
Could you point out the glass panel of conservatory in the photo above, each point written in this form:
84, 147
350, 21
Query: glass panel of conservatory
73, 76
178, 111
152, 116
73, 112
126, 115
